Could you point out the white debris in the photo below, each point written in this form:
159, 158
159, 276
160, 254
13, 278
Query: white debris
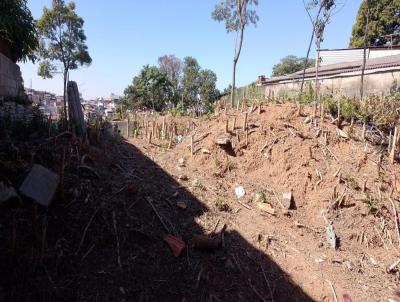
240, 192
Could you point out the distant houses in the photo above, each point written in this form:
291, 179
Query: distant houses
51, 105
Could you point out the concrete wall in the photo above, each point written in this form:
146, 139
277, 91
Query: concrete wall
10, 77
376, 82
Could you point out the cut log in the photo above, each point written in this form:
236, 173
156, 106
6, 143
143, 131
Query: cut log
75, 109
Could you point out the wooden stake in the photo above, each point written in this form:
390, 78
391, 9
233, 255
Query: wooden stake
149, 137
247, 137
191, 145
245, 122
394, 145
226, 126
234, 124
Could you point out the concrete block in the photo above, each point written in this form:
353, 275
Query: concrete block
41, 185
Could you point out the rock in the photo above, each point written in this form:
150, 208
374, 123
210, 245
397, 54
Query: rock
331, 236
307, 120
222, 140
287, 199
182, 205
205, 151
6, 192
183, 177
240, 192
341, 133
266, 208
41, 185
181, 162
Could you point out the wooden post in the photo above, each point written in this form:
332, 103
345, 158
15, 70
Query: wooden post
390, 142
392, 155
191, 145
234, 124
170, 141
245, 122
226, 126
260, 108
149, 138
127, 127
247, 137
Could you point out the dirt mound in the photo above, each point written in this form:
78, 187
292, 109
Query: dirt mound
334, 177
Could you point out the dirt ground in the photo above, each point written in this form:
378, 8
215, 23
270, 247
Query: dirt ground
105, 239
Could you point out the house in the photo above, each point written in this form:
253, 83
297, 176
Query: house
340, 74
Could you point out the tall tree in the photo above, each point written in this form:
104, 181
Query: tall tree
18, 36
309, 8
150, 89
172, 67
190, 81
326, 8
384, 23
208, 91
62, 41
291, 64
236, 14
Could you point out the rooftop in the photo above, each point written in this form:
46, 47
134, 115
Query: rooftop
340, 68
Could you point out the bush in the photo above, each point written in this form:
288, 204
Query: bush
383, 112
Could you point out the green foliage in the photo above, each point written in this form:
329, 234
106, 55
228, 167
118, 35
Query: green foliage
151, 89
172, 67
191, 80
62, 39
290, 64
383, 112
370, 204
383, 19
17, 28
308, 96
235, 13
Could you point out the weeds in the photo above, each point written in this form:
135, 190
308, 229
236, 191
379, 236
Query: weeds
370, 204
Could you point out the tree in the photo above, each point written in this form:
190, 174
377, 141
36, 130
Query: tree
171, 66
62, 40
18, 36
291, 64
190, 81
208, 91
237, 15
150, 89
384, 20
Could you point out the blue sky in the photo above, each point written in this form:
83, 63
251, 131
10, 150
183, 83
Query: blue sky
124, 35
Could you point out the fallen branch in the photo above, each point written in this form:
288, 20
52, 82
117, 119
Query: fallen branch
85, 231
396, 220
150, 201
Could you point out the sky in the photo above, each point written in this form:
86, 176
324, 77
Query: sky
124, 35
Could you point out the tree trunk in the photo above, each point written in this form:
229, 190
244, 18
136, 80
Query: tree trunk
364, 57
306, 61
317, 73
65, 98
233, 84
238, 49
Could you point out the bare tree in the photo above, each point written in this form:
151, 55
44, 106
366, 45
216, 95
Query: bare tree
172, 67
308, 7
237, 15
365, 53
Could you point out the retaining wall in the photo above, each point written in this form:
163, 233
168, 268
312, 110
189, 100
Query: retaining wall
10, 78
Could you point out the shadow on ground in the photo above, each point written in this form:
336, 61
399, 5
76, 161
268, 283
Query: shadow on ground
105, 243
